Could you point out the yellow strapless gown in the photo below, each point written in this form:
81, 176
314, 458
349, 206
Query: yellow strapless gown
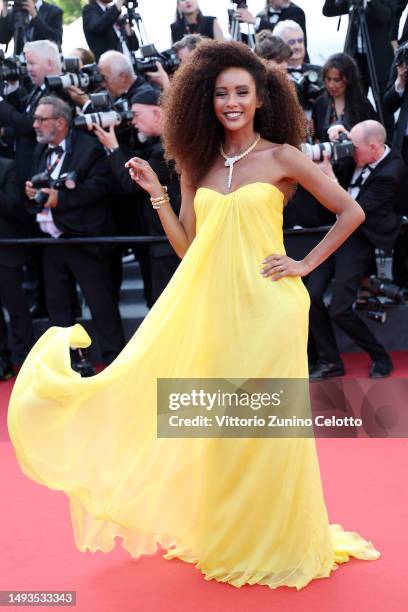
242, 510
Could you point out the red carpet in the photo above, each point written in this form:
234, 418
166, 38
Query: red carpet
365, 483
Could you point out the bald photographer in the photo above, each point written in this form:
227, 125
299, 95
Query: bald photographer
374, 180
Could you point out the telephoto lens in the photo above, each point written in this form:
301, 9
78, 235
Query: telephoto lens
104, 120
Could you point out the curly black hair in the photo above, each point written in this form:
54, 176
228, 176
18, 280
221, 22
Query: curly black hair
192, 134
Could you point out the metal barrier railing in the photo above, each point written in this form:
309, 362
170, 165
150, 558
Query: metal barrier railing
134, 239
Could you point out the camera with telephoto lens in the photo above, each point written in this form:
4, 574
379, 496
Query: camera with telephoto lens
309, 88
43, 179
385, 287
71, 64
11, 68
147, 63
401, 55
107, 113
87, 79
339, 149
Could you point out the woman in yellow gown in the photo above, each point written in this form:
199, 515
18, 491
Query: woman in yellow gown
246, 510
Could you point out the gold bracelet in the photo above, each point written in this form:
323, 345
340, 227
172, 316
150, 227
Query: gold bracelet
157, 206
164, 194
161, 202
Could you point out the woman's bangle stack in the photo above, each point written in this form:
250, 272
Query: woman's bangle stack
163, 199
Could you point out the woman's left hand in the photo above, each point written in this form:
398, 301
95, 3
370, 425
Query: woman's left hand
277, 266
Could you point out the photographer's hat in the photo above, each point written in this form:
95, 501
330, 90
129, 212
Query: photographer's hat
146, 95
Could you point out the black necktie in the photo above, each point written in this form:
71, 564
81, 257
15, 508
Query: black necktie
33, 98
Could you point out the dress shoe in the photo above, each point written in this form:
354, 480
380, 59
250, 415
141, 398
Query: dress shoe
81, 363
326, 370
6, 370
381, 369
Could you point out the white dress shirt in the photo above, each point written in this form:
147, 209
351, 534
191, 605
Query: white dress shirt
366, 171
44, 218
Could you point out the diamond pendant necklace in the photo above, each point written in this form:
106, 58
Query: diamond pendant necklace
230, 161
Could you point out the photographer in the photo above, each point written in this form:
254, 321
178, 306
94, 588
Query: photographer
42, 59
374, 181
274, 12
378, 14
12, 297
119, 77
40, 21
106, 30
344, 101
190, 20
147, 118
122, 83
82, 210
396, 98
307, 77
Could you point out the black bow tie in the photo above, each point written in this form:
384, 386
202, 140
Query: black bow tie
361, 177
57, 150
295, 70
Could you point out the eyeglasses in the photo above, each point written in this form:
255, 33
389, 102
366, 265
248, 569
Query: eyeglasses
42, 120
293, 41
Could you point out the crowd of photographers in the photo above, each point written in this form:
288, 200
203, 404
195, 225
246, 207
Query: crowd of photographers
68, 126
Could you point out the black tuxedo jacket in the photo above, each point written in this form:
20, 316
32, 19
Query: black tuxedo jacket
379, 20
14, 221
378, 197
398, 8
99, 32
17, 117
167, 176
46, 26
393, 101
85, 210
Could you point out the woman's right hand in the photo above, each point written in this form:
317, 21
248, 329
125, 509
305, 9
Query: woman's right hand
141, 173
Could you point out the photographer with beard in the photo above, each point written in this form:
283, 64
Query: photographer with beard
105, 30
17, 112
121, 82
147, 118
44, 22
82, 211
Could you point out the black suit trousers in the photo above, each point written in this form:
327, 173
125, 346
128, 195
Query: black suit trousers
92, 271
347, 267
13, 299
